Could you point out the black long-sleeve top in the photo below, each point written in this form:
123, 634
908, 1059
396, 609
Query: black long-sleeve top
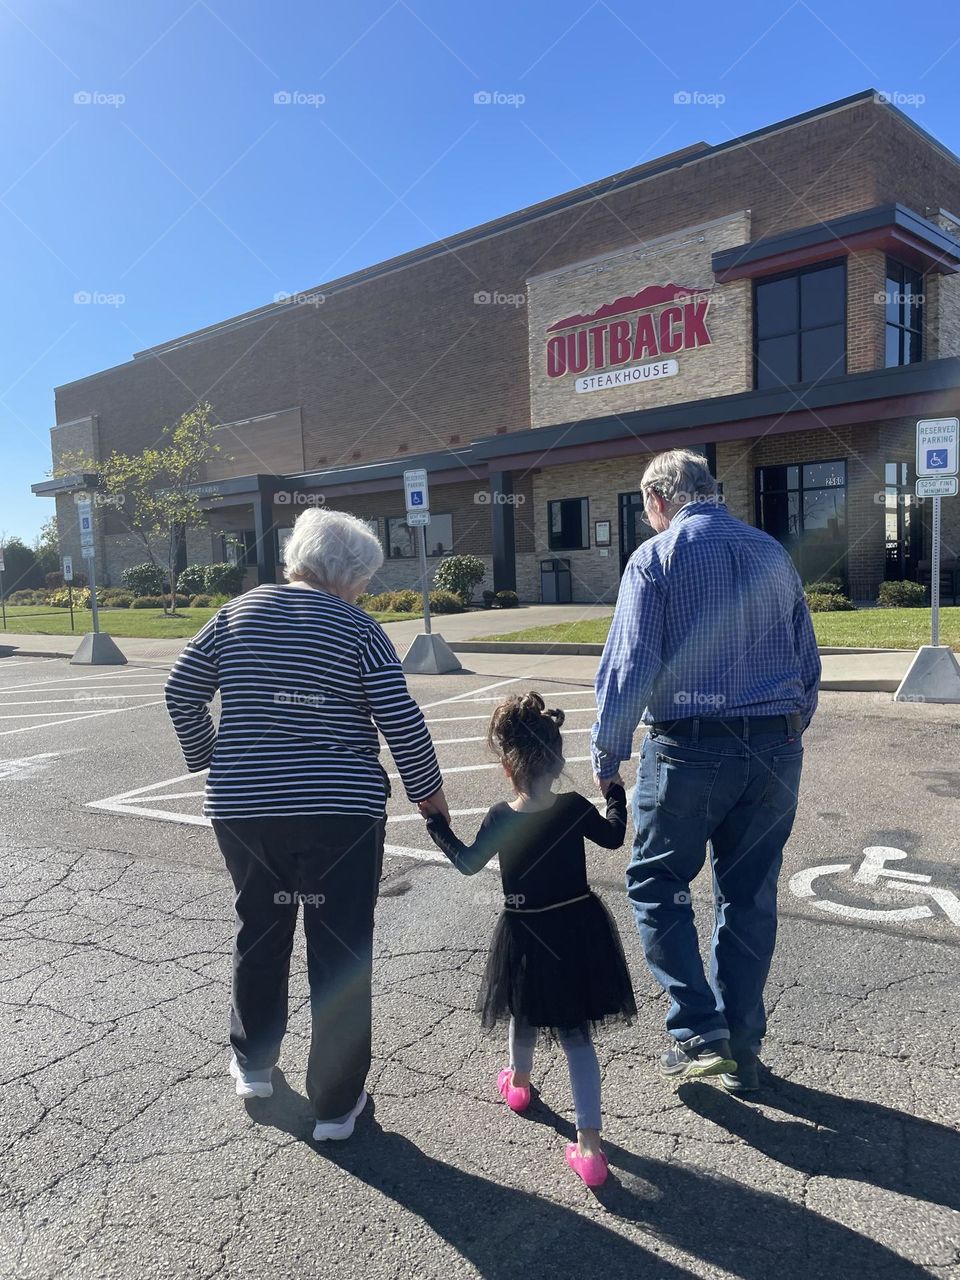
542, 856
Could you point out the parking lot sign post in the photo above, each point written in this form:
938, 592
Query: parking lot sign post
429, 654
95, 649
3, 602
934, 674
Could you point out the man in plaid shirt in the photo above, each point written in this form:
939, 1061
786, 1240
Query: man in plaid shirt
712, 647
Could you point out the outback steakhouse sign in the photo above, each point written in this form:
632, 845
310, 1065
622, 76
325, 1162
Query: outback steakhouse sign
626, 340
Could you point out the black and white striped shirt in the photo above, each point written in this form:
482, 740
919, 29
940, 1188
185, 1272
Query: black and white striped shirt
305, 681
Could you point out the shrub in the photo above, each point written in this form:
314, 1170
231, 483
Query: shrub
902, 595
446, 602
825, 587
223, 579
60, 598
110, 595
118, 600
825, 602
193, 579
24, 597
405, 601
363, 600
216, 601
380, 602
488, 599
200, 602
460, 574
147, 602
507, 599
143, 579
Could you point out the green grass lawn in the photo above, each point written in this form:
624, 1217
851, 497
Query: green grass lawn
26, 619
864, 628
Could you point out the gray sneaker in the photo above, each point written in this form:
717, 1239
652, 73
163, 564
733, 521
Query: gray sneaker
252, 1084
684, 1062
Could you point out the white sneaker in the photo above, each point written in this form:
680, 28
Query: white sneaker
338, 1130
251, 1084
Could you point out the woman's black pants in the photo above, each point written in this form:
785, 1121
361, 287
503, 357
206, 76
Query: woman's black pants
330, 865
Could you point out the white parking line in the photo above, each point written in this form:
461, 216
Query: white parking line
69, 681
448, 742
465, 697
87, 715
486, 715
477, 768
82, 695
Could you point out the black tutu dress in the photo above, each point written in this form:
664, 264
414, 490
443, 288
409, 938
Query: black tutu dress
556, 960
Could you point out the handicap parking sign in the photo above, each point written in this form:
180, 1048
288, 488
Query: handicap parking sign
937, 441
416, 497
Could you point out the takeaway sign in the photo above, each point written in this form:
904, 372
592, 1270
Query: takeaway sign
631, 339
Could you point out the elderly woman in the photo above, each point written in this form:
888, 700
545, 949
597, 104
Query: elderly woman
298, 797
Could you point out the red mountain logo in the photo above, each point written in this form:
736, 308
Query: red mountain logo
654, 295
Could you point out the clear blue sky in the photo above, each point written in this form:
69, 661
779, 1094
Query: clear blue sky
198, 197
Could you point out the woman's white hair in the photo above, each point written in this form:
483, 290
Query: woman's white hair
680, 476
332, 549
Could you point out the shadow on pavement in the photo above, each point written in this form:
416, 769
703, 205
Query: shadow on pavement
861, 1141
505, 1232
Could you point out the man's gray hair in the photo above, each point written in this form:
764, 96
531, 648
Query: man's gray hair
333, 549
679, 476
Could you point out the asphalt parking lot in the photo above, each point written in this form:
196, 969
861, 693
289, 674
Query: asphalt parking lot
124, 1148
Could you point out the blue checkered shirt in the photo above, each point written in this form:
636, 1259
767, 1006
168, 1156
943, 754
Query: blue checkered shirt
710, 621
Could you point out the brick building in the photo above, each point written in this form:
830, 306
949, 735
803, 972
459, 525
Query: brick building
786, 301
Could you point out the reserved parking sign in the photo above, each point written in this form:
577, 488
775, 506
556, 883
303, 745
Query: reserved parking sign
937, 446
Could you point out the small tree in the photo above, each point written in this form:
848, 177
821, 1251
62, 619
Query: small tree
151, 493
460, 574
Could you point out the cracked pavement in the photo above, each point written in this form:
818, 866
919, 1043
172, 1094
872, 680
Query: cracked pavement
123, 1148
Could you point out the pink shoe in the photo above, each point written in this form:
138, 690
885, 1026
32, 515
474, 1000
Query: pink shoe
516, 1099
592, 1169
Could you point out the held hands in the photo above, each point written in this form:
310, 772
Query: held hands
435, 804
604, 784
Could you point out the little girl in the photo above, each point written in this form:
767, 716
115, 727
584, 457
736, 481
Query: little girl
556, 962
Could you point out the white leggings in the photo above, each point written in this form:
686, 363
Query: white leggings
582, 1064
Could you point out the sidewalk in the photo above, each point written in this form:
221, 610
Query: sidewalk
844, 671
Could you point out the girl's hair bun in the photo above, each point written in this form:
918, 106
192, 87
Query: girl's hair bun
525, 734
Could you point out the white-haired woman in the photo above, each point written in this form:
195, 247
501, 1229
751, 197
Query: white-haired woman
298, 796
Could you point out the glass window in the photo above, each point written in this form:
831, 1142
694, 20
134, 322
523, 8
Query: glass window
805, 508
822, 353
777, 361
776, 302
800, 326
403, 542
822, 297
903, 308
568, 524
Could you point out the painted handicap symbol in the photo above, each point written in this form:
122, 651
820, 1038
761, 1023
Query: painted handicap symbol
872, 871
936, 458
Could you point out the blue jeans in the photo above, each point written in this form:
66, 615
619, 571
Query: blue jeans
739, 792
